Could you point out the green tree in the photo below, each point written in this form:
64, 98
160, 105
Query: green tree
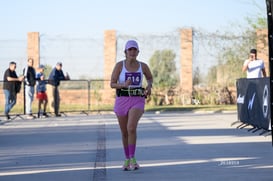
164, 71
233, 48
47, 70
197, 78
211, 76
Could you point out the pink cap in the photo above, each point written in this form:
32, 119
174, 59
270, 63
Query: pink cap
131, 44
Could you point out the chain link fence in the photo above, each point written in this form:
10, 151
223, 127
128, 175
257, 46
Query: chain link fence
83, 59
81, 96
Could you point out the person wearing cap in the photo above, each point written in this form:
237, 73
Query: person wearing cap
41, 91
129, 105
54, 79
30, 81
253, 66
11, 86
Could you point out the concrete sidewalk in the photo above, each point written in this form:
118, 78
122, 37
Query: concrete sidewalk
171, 146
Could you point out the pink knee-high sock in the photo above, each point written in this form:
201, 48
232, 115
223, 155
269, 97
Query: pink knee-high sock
132, 149
126, 152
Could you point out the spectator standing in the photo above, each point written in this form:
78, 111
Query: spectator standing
253, 66
30, 81
41, 91
54, 79
11, 86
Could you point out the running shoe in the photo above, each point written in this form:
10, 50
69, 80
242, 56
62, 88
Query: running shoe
133, 164
126, 166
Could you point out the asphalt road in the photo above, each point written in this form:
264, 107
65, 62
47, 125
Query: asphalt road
171, 146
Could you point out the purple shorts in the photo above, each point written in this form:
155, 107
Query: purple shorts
123, 104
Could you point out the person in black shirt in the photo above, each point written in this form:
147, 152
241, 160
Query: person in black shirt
30, 81
54, 79
11, 86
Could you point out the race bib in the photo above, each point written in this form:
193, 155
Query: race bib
135, 77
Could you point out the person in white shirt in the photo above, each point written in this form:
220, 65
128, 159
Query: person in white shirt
127, 78
253, 66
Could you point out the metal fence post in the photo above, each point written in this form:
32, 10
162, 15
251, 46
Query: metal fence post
269, 4
89, 95
24, 97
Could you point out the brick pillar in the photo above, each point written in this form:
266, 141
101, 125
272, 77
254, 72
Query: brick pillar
33, 47
262, 48
186, 52
110, 50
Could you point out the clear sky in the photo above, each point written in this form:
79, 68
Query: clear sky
88, 19
92, 17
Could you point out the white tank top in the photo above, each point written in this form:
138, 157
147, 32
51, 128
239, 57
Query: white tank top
136, 77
